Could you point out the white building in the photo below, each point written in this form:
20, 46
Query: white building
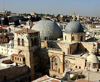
8, 48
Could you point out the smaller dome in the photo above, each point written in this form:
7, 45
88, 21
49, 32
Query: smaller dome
85, 55
11, 42
74, 27
92, 58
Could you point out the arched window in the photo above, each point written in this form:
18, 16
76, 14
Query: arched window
79, 67
65, 37
32, 42
35, 41
55, 62
22, 42
9, 29
45, 38
73, 38
81, 38
18, 41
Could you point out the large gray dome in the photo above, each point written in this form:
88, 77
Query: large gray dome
49, 30
74, 27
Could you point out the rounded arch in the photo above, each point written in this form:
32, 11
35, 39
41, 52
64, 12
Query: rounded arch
52, 58
20, 52
54, 63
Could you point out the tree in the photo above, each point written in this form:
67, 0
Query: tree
6, 21
17, 23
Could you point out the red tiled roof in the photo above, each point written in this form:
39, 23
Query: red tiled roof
1, 29
4, 38
54, 81
2, 35
46, 78
43, 76
4, 26
19, 55
83, 80
26, 30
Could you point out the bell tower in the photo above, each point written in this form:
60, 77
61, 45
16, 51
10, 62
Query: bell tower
26, 45
74, 16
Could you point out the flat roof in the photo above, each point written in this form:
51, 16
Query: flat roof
18, 55
26, 30
3, 59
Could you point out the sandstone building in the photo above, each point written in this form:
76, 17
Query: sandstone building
44, 49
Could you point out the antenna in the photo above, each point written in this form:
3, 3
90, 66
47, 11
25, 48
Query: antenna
45, 13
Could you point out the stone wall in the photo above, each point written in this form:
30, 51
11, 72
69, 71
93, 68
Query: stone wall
77, 37
77, 63
68, 37
80, 63
73, 48
13, 73
88, 46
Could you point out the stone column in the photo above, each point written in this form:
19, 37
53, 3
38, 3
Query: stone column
61, 67
51, 64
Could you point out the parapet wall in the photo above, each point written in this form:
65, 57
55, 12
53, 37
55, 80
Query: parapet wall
13, 73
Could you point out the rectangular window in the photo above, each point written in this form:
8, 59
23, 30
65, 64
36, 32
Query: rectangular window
23, 59
20, 59
15, 58
18, 41
73, 38
65, 37
22, 42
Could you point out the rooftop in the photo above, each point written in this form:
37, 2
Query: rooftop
49, 30
1, 60
19, 55
26, 30
74, 27
82, 80
4, 26
46, 78
66, 43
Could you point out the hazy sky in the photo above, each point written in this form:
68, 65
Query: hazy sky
81, 7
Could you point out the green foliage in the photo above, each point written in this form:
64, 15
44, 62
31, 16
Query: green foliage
6, 21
